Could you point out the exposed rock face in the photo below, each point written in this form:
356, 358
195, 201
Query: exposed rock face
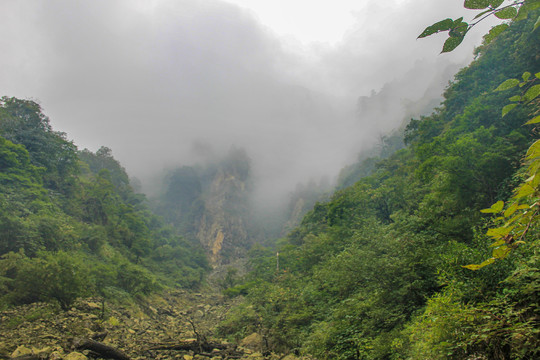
222, 229
253, 342
210, 204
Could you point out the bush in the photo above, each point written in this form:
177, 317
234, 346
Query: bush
51, 276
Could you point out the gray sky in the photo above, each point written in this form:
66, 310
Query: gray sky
157, 80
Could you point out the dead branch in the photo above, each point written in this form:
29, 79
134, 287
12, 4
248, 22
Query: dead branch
105, 351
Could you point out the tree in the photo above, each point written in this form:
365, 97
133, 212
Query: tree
23, 122
523, 212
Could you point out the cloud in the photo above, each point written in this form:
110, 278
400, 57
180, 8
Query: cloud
162, 81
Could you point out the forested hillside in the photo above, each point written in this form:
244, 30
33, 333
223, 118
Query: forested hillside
377, 272
427, 249
70, 223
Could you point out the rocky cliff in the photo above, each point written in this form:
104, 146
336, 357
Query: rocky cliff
209, 204
223, 227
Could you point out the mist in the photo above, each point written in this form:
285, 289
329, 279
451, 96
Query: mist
172, 83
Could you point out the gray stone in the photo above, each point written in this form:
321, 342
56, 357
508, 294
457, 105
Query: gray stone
21, 350
75, 356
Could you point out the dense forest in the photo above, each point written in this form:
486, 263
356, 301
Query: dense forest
71, 224
428, 248
385, 268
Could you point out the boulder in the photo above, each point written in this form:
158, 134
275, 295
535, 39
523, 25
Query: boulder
256, 356
21, 350
75, 356
252, 342
290, 357
56, 355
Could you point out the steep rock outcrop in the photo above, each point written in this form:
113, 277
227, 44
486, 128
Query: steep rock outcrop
209, 204
222, 230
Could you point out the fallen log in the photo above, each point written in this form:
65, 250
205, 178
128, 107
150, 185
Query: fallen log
105, 351
189, 345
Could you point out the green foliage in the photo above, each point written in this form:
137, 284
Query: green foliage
241, 321
103, 159
49, 276
515, 222
70, 223
504, 326
376, 272
22, 122
457, 29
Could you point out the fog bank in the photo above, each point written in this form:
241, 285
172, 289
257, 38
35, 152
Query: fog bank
161, 82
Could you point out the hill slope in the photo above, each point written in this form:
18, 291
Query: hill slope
376, 272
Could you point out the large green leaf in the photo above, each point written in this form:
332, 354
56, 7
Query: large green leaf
479, 266
532, 93
507, 84
511, 210
495, 208
501, 252
507, 13
525, 190
534, 120
534, 150
443, 25
499, 232
451, 43
507, 108
476, 4
496, 3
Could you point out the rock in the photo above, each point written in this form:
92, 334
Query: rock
75, 356
252, 342
22, 350
256, 356
43, 351
55, 355
93, 306
290, 357
153, 309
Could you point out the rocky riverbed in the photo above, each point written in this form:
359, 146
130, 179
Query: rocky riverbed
173, 325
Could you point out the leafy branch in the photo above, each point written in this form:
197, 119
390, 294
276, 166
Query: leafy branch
522, 211
457, 29
519, 216
532, 90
